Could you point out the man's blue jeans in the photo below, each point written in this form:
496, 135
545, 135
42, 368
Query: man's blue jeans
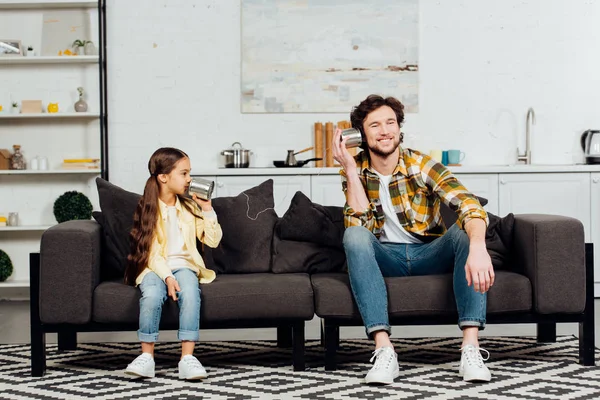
369, 261
154, 294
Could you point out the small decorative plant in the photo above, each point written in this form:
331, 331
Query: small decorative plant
15, 104
80, 91
80, 43
29, 48
72, 205
6, 266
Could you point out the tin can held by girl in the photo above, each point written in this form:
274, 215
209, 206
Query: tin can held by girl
354, 137
203, 188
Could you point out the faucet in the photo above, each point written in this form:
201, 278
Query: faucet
527, 156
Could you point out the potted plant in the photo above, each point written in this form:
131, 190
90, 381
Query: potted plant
72, 205
79, 46
15, 108
30, 51
6, 266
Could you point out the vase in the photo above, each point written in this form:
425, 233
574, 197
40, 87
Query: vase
89, 49
81, 105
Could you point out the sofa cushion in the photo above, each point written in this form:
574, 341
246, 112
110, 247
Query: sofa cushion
229, 298
419, 295
118, 206
247, 221
291, 256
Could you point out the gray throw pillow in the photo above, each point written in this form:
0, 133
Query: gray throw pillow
247, 221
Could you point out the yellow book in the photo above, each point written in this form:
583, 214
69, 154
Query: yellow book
81, 160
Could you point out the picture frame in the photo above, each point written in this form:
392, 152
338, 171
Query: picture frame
10, 47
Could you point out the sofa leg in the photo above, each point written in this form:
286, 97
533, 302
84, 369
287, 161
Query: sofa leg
284, 336
298, 348
332, 340
546, 332
37, 334
67, 340
587, 333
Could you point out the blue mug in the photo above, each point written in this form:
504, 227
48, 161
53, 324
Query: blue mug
445, 157
455, 156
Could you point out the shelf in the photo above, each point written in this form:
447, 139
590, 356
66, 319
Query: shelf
24, 228
50, 171
14, 60
26, 4
58, 115
14, 284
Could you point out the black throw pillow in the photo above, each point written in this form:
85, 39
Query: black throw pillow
118, 207
290, 256
499, 240
306, 221
247, 221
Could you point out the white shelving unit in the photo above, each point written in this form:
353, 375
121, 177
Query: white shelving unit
16, 5
73, 115
19, 60
24, 228
50, 172
55, 136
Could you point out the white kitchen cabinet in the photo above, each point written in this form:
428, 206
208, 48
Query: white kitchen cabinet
482, 185
595, 222
284, 187
327, 190
565, 194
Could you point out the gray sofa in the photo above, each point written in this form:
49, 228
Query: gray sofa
280, 272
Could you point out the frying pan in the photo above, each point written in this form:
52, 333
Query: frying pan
299, 163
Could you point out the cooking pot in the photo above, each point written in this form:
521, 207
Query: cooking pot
236, 157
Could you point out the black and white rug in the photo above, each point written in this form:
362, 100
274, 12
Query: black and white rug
521, 369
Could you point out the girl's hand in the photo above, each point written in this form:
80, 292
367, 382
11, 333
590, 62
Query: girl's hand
172, 287
205, 205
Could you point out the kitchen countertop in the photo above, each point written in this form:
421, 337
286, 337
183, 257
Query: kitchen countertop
466, 169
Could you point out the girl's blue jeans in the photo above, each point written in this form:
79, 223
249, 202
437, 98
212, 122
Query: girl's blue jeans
154, 294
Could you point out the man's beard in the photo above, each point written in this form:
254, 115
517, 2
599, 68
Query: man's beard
386, 153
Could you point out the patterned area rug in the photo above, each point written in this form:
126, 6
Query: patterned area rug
521, 369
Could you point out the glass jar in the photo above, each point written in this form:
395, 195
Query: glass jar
17, 161
13, 219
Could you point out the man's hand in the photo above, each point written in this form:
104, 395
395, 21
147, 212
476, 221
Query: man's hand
340, 152
479, 269
172, 287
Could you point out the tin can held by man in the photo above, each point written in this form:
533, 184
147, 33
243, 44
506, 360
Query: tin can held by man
354, 137
203, 188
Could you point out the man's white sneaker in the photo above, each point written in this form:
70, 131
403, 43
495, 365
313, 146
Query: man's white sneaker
190, 368
385, 369
141, 367
471, 366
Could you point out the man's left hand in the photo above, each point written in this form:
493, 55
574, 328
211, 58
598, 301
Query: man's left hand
479, 269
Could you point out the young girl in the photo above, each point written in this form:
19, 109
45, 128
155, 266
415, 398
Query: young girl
164, 260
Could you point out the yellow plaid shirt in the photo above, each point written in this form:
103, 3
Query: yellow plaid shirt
418, 185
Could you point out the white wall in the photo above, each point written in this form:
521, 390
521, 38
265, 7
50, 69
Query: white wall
174, 79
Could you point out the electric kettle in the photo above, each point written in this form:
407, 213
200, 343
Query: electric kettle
590, 143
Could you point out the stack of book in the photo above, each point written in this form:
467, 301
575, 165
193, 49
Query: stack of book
81, 163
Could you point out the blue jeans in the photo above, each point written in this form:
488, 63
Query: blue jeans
154, 294
369, 261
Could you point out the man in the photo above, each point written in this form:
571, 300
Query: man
394, 228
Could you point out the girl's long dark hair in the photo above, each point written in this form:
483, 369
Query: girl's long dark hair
146, 215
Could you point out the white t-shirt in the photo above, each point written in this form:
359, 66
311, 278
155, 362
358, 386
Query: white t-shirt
177, 255
392, 231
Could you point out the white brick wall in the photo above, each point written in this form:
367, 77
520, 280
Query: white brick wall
175, 80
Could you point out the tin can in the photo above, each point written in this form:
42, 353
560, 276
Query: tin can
354, 137
203, 188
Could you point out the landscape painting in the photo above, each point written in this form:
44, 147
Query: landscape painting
312, 56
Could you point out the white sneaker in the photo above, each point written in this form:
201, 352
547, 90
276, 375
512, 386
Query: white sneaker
385, 369
141, 367
190, 368
472, 367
